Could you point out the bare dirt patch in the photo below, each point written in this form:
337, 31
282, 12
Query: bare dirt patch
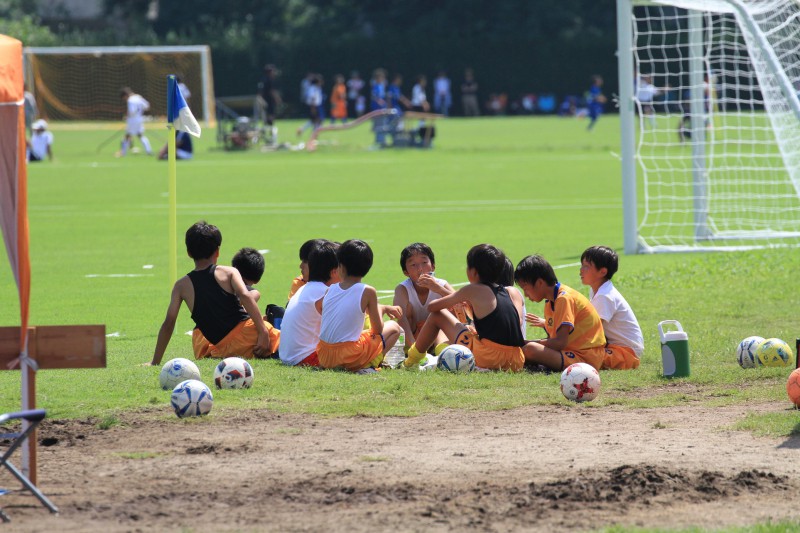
536, 468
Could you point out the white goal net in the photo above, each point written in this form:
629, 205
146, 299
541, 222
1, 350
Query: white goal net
713, 120
83, 83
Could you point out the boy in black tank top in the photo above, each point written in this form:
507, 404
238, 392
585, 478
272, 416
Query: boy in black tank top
497, 339
224, 310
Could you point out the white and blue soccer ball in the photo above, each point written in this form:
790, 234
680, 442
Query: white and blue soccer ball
774, 352
176, 370
191, 398
580, 382
233, 373
746, 351
456, 358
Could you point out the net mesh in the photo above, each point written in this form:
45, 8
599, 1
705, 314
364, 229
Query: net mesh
86, 86
718, 150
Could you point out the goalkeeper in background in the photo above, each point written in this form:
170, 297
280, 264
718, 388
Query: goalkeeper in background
134, 121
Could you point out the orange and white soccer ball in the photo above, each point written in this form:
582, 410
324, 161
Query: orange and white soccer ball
793, 387
580, 382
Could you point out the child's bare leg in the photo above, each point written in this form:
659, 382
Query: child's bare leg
540, 354
391, 332
441, 321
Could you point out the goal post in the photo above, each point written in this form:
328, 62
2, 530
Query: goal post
83, 83
710, 123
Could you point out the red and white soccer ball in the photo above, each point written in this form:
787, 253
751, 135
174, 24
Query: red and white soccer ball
233, 373
580, 382
176, 370
793, 387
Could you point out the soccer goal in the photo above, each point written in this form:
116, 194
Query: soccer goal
83, 83
710, 123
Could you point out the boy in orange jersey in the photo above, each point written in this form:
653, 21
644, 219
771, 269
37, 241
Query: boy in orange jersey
496, 339
573, 327
339, 100
224, 311
343, 341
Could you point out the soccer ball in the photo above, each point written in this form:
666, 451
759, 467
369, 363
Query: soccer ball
191, 398
233, 373
774, 352
746, 351
456, 358
580, 382
793, 387
176, 370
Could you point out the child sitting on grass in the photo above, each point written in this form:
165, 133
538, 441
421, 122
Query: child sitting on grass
418, 290
497, 340
574, 331
224, 311
625, 344
343, 341
301, 321
302, 279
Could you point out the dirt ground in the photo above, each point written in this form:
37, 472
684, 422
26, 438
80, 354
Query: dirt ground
548, 468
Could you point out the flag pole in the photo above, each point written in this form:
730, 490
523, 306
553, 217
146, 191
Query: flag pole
173, 182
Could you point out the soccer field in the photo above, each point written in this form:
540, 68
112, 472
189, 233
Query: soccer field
99, 248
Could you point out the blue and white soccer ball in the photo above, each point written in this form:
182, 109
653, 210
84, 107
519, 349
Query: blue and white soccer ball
746, 351
176, 370
580, 382
774, 352
191, 398
456, 358
233, 373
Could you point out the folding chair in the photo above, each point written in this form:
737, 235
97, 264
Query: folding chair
34, 417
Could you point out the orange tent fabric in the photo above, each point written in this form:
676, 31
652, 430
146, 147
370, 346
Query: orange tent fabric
13, 173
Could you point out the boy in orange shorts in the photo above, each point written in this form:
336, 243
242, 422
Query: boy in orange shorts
625, 344
343, 341
574, 331
224, 311
496, 340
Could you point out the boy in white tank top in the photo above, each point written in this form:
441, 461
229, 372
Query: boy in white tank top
418, 290
343, 343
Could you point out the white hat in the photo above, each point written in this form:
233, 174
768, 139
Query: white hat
40, 124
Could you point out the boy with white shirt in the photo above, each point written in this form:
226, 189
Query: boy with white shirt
136, 106
40, 145
625, 345
301, 321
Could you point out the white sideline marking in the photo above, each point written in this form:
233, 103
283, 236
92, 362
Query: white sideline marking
262, 252
147, 267
567, 265
115, 334
189, 333
119, 275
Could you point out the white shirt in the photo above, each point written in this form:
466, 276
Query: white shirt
40, 142
314, 95
301, 323
619, 322
646, 91
441, 85
418, 97
137, 105
342, 317
420, 309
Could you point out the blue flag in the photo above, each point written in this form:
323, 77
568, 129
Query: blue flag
178, 112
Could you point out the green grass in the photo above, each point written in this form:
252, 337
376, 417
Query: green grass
541, 185
765, 527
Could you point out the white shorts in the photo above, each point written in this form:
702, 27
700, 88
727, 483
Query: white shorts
134, 126
182, 154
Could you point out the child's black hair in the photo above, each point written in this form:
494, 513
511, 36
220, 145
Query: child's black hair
416, 248
487, 261
602, 257
507, 276
356, 257
322, 260
307, 246
202, 240
250, 264
533, 268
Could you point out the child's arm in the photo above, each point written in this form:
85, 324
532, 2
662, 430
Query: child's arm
430, 283
464, 294
534, 320
559, 342
369, 304
250, 305
401, 300
168, 326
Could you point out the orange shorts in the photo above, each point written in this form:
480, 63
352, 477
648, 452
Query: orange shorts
489, 354
619, 357
240, 342
352, 355
592, 356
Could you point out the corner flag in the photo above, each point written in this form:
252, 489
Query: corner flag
178, 112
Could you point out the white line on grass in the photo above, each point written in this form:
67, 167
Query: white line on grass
119, 275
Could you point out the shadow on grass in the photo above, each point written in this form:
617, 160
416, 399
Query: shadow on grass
793, 440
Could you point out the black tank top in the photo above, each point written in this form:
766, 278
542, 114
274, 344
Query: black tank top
216, 312
501, 325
